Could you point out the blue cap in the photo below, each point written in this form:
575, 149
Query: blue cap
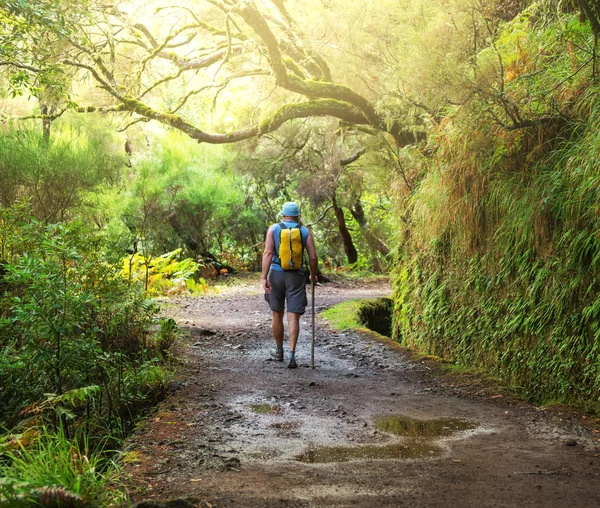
290, 209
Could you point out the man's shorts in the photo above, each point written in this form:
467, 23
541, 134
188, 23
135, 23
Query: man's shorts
290, 286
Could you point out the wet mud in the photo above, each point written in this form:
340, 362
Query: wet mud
415, 449
421, 429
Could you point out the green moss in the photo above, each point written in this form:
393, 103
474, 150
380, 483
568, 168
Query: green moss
264, 409
291, 65
322, 107
344, 315
131, 457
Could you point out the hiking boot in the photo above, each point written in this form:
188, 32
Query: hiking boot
277, 354
292, 362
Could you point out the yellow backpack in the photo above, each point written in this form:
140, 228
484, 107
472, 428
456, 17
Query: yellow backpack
291, 248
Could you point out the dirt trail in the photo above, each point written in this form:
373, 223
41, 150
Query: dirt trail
242, 430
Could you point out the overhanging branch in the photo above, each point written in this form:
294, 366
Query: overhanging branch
316, 89
326, 107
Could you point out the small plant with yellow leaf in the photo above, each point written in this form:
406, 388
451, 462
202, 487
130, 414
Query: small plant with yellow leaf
164, 275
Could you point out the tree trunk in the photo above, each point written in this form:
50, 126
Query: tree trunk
46, 122
358, 213
191, 243
349, 247
591, 10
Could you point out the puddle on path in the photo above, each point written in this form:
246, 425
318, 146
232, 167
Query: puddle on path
265, 455
409, 450
409, 427
264, 409
421, 437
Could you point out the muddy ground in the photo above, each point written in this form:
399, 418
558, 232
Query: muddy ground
369, 426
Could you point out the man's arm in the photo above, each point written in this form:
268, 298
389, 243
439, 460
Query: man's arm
267, 258
313, 260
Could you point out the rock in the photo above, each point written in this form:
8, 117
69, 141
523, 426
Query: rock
204, 332
232, 464
571, 442
176, 385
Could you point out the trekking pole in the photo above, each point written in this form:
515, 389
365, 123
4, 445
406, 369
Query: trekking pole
312, 352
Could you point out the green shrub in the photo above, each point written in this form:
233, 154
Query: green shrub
70, 322
55, 177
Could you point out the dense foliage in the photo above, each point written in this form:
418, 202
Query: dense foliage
498, 268
82, 352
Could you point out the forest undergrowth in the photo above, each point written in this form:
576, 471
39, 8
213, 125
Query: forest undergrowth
84, 355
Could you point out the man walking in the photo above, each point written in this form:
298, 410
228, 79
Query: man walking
283, 276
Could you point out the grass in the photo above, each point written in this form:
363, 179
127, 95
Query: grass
55, 471
499, 268
344, 315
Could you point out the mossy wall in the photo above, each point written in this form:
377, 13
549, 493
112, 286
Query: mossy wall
377, 315
499, 263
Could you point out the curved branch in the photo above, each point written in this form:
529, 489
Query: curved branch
283, 11
257, 22
323, 107
352, 158
324, 98
322, 69
58, 114
222, 85
316, 89
316, 221
159, 47
103, 84
22, 66
185, 65
284, 114
147, 33
161, 81
534, 122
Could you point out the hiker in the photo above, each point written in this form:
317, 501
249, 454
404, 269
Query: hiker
283, 276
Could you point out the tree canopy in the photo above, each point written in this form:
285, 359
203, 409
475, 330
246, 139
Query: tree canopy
154, 59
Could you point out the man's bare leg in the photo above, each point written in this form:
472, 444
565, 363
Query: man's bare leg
293, 328
277, 327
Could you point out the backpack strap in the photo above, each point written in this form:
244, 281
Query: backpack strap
281, 226
304, 260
